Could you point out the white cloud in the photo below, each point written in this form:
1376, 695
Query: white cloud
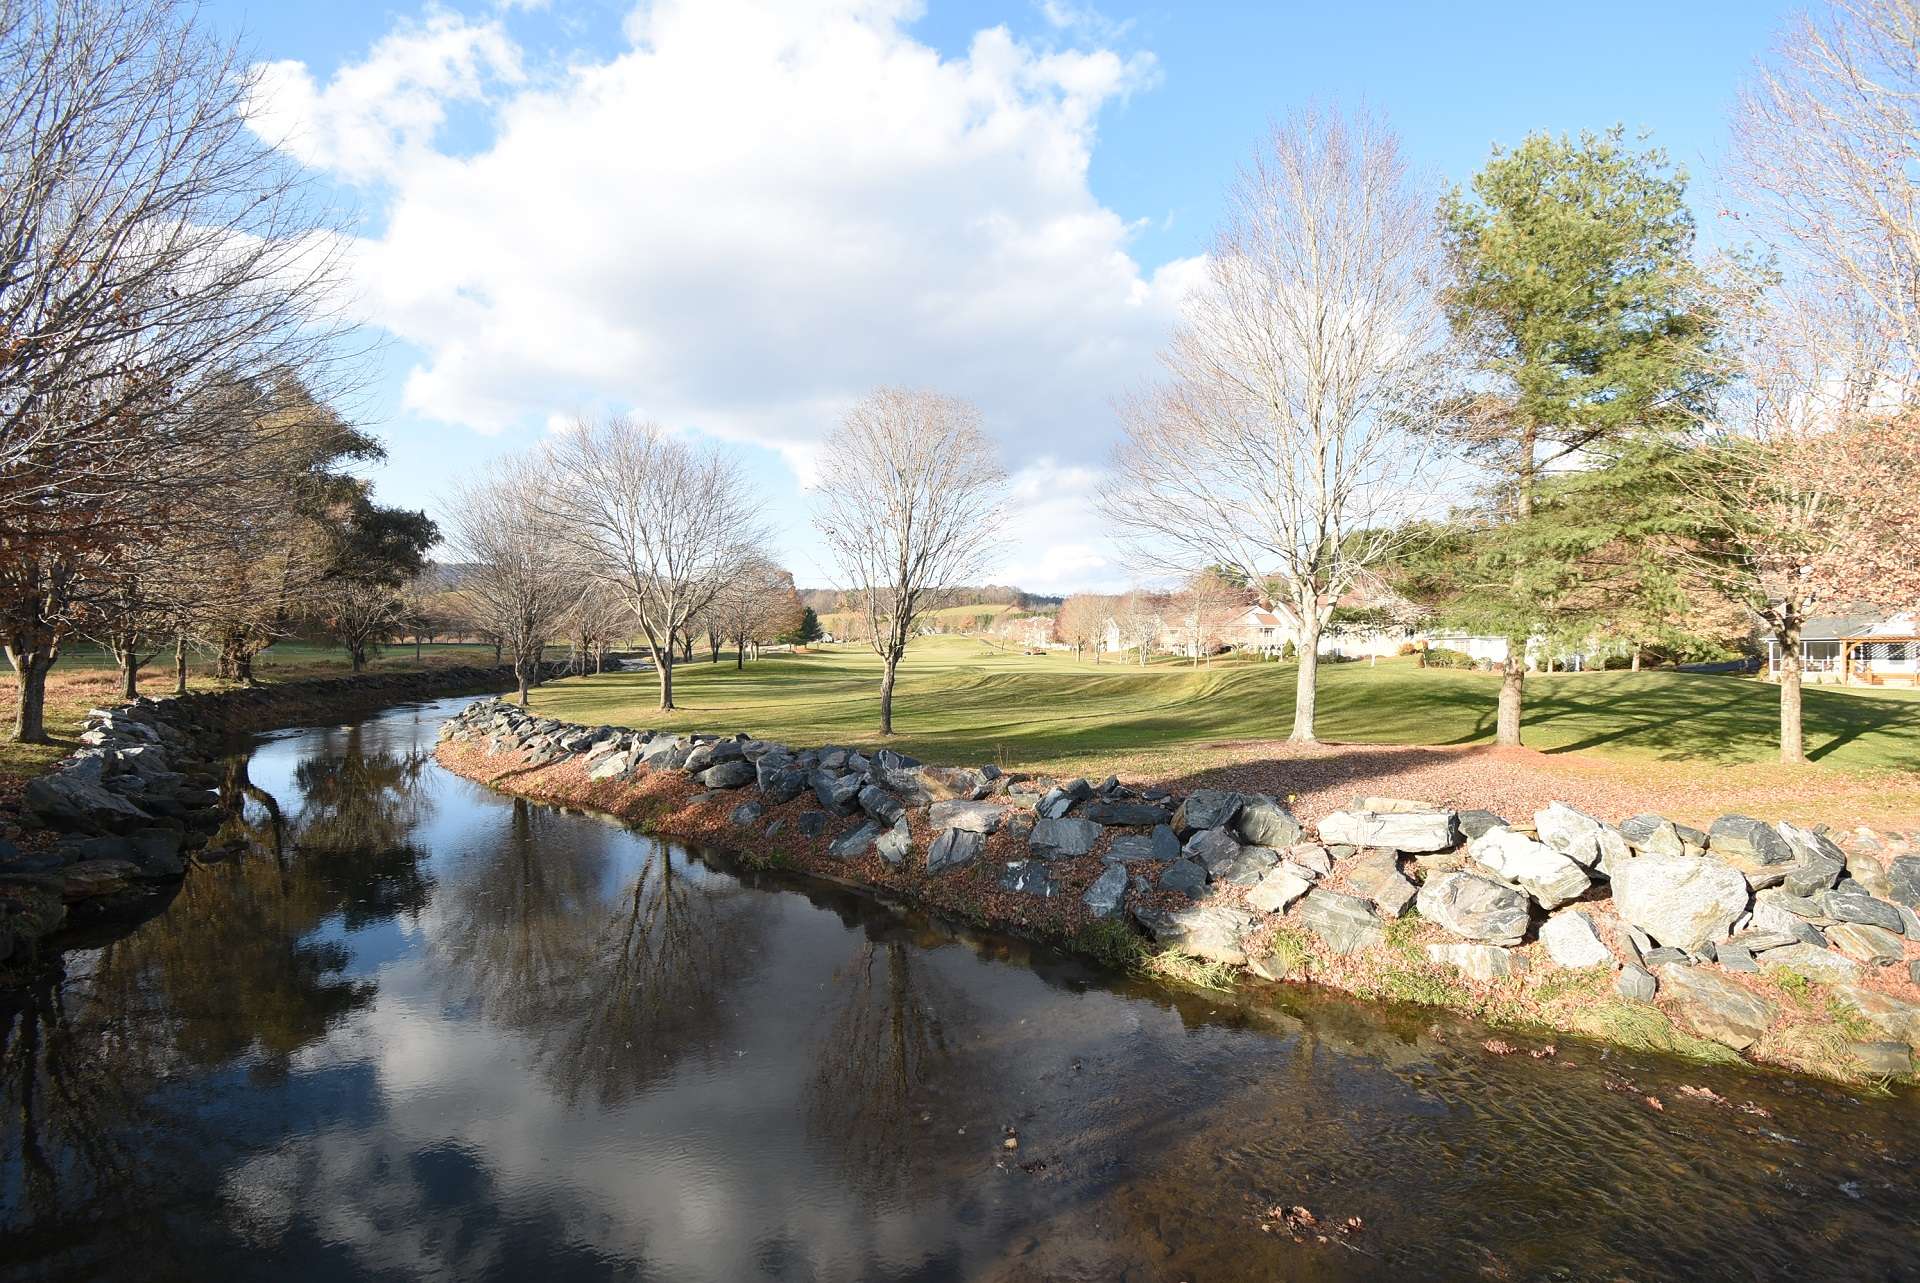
746, 219
379, 116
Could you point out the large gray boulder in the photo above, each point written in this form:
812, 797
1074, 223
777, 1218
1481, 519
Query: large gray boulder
1754, 848
1206, 809
733, 773
1410, 831
1891, 1014
1212, 932
1571, 941
1651, 834
837, 793
74, 799
1345, 923
854, 843
1870, 945
1186, 876
1475, 907
1817, 862
881, 804
782, 785
1375, 874
1903, 880
896, 844
1278, 889
609, 766
1715, 1007
954, 847
1134, 848
1551, 878
1682, 901
1214, 848
1248, 867
1063, 839
1848, 903
1265, 822
1030, 877
1103, 897
1815, 963
1580, 837
977, 817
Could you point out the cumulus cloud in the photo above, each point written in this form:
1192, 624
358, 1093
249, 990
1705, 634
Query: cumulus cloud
742, 220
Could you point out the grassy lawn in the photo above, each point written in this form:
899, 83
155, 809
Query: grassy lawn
960, 700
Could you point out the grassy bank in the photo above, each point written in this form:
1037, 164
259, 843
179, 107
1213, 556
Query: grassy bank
1610, 740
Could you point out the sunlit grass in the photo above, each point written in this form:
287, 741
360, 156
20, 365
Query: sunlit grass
962, 700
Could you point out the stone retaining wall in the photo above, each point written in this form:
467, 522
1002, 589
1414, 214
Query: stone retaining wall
1662, 911
138, 797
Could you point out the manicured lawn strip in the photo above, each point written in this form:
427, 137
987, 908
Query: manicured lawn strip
960, 701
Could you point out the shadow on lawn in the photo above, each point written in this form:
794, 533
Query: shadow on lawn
1347, 766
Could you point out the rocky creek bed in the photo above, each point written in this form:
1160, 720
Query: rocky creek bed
1791, 947
114, 825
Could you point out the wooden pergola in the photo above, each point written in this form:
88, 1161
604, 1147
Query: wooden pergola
1870, 677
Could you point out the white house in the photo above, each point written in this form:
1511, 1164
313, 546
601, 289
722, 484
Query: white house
1858, 649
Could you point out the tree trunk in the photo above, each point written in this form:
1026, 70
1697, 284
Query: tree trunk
1306, 694
1793, 744
130, 676
886, 694
740, 652
524, 677
180, 663
1635, 666
30, 718
416, 649
496, 652
1513, 690
663, 662
356, 656
1523, 478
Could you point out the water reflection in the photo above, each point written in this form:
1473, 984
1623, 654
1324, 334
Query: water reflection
616, 971
414, 1028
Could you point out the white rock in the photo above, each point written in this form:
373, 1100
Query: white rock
1684, 900
1549, 877
1571, 940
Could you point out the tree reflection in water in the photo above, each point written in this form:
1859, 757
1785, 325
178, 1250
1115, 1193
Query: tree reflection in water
617, 981
235, 973
876, 1068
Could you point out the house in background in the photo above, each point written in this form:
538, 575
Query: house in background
1857, 650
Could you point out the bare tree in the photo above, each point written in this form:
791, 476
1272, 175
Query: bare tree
910, 502
663, 523
1277, 446
150, 245
1824, 141
1802, 489
1139, 617
516, 584
1082, 621
758, 605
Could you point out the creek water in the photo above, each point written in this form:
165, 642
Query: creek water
426, 1030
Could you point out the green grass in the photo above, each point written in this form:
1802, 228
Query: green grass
961, 700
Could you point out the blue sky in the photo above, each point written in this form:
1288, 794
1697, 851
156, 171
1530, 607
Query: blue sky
1176, 97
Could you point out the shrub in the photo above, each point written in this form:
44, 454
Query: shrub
1406, 648
1442, 657
1289, 651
